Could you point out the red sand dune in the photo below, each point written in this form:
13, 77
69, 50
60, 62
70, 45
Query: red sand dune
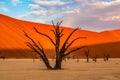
12, 39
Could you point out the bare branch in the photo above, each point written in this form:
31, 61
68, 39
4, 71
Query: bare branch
53, 24
42, 49
53, 31
45, 36
65, 49
33, 48
59, 23
72, 42
87, 52
29, 45
73, 50
61, 31
29, 37
58, 27
61, 35
66, 41
33, 42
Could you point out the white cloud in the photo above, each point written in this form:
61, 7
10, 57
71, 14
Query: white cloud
38, 13
49, 3
51, 8
97, 15
4, 9
34, 6
110, 18
74, 11
23, 15
88, 14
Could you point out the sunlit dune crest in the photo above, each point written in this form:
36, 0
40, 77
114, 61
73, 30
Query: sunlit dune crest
12, 36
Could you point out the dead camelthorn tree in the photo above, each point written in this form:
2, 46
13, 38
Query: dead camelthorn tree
106, 57
87, 54
77, 59
3, 57
60, 52
94, 58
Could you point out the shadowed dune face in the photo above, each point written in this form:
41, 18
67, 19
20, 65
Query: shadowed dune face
12, 39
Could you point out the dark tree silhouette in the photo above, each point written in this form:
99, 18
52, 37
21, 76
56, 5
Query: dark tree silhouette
3, 57
77, 59
74, 57
60, 52
106, 57
87, 54
94, 58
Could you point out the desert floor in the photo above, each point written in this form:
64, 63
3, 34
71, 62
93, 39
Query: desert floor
26, 69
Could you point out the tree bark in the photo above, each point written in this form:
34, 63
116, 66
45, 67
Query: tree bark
58, 63
87, 59
46, 62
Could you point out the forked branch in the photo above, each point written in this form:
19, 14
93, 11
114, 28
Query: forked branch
73, 51
66, 41
73, 42
45, 36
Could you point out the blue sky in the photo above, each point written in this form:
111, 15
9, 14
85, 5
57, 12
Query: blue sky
94, 15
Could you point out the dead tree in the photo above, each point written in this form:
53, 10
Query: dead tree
3, 57
74, 57
77, 59
87, 54
94, 58
106, 57
68, 57
60, 52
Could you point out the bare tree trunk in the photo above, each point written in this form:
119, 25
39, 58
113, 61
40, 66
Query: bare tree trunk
87, 58
94, 59
87, 54
58, 63
106, 57
58, 57
46, 62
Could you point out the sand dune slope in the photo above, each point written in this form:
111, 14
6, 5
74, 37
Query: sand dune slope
12, 39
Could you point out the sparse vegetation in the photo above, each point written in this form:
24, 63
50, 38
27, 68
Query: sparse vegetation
106, 57
77, 59
61, 52
3, 57
94, 58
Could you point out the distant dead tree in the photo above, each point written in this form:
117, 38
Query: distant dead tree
33, 59
87, 54
60, 52
77, 59
94, 58
3, 57
68, 57
106, 57
64, 59
74, 56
